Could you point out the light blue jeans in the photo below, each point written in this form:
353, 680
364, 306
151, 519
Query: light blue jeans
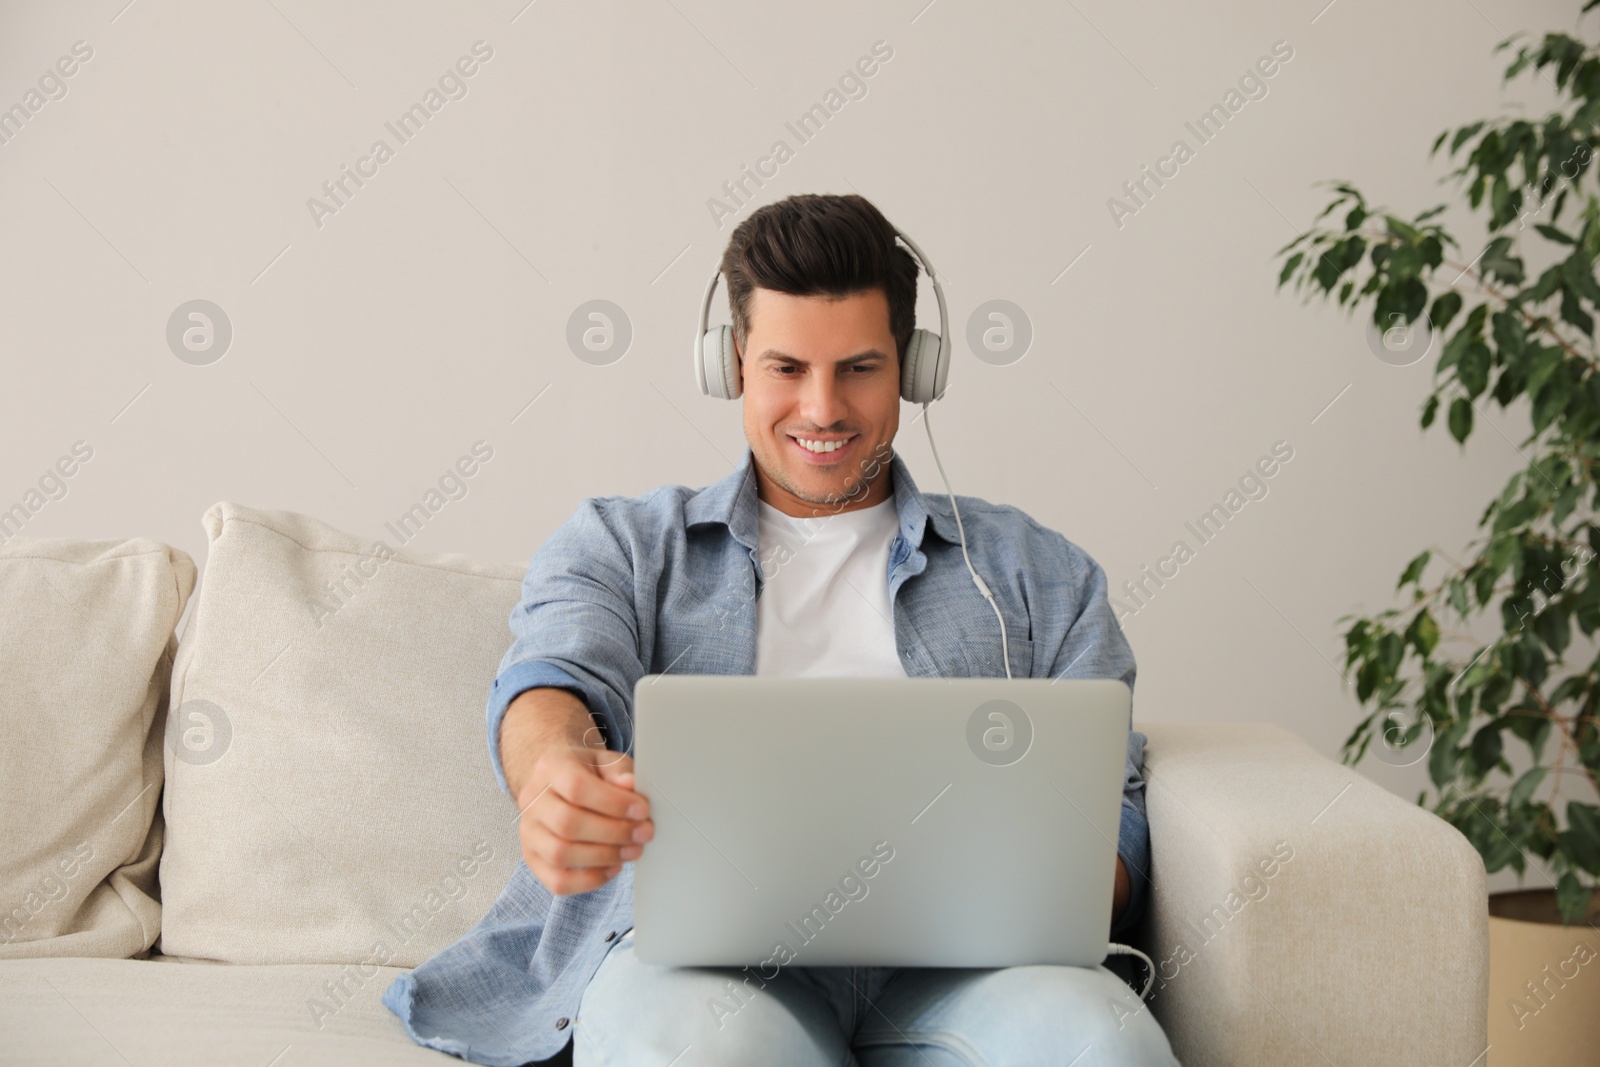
641, 1015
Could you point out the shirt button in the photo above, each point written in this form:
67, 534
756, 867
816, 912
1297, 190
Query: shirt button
612, 936
561, 1023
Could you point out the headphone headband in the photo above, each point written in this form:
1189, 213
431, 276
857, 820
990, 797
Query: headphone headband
938, 290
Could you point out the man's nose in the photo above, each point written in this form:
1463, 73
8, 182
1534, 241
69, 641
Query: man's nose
822, 401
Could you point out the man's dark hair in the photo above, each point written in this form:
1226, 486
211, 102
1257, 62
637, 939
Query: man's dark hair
813, 244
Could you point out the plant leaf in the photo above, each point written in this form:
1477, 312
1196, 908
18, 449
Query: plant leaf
1572, 897
1288, 268
1423, 633
1525, 786
1445, 309
1486, 747
1413, 569
1553, 628
1554, 234
1462, 134
1581, 839
1460, 421
1573, 312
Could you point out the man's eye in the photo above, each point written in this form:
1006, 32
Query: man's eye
863, 369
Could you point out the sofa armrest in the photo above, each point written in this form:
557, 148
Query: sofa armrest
1302, 914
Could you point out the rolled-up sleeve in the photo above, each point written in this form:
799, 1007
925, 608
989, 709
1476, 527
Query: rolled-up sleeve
1095, 647
1133, 841
575, 628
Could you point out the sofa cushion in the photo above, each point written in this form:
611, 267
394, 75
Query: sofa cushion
329, 796
86, 646
117, 1012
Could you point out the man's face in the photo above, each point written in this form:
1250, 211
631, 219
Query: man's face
818, 368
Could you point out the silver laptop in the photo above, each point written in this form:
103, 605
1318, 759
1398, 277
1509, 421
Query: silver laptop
961, 822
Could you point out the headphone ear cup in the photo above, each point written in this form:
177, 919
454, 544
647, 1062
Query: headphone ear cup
922, 376
719, 364
908, 367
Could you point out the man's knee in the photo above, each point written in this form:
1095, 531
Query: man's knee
760, 1032
1086, 1012
1094, 1011
635, 1013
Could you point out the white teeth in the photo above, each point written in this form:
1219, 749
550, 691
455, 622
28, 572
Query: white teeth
822, 446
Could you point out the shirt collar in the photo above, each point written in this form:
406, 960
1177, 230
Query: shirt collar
733, 502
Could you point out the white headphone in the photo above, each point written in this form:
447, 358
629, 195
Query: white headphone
922, 371
922, 375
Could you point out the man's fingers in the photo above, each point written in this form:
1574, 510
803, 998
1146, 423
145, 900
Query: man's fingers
563, 854
608, 760
620, 773
536, 787
613, 765
586, 788
573, 823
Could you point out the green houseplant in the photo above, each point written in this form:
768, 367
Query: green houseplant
1523, 321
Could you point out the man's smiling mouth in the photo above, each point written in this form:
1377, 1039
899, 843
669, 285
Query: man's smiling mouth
817, 448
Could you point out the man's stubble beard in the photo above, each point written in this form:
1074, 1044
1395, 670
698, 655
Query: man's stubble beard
855, 488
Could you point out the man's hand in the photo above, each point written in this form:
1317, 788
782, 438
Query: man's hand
581, 818
579, 812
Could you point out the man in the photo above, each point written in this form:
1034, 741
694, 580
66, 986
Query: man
817, 555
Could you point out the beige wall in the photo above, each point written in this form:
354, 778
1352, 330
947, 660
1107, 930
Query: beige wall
374, 345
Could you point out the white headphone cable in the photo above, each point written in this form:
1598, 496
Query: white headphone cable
1114, 948
1005, 649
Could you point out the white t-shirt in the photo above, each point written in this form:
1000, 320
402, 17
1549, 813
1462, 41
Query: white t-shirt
824, 607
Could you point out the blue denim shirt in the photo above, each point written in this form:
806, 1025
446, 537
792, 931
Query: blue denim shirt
667, 582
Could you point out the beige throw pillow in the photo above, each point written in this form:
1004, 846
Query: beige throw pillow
86, 647
329, 793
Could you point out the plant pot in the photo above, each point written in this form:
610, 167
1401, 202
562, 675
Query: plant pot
1544, 982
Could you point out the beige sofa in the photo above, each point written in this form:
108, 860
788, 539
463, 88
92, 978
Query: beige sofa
221, 849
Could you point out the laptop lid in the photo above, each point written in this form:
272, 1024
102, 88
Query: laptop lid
957, 822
